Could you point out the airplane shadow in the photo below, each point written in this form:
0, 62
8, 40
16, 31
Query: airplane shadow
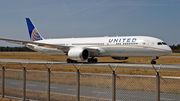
103, 62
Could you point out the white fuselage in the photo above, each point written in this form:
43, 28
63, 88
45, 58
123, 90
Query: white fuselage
124, 46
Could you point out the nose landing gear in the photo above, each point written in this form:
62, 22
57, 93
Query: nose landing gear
153, 60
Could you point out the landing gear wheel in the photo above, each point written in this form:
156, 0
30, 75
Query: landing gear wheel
153, 62
95, 60
91, 60
68, 61
71, 61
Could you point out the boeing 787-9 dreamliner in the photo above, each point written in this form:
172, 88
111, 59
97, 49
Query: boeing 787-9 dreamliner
80, 49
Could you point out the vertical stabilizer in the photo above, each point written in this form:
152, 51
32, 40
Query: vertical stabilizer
33, 33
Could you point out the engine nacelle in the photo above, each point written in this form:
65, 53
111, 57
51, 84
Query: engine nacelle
120, 58
78, 54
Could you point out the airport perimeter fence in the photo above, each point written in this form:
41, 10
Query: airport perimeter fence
69, 86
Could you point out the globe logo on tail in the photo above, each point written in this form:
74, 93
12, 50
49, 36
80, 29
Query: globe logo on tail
35, 35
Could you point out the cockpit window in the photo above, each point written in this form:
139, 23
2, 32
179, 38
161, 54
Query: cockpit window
161, 43
164, 43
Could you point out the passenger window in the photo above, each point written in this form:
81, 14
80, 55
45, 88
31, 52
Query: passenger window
159, 43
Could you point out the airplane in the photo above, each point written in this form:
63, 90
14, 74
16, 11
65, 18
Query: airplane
81, 49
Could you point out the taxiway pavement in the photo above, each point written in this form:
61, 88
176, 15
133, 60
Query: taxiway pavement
99, 64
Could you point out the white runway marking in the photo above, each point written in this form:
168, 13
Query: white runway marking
31, 85
167, 99
70, 89
99, 92
52, 87
14, 83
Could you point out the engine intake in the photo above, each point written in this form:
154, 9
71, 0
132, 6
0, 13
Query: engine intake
78, 54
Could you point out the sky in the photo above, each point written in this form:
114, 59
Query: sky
91, 18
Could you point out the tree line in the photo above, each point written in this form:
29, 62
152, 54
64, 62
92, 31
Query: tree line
175, 48
15, 49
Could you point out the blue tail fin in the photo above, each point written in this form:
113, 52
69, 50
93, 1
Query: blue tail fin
33, 33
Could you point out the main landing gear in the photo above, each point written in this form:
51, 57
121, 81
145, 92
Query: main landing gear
71, 61
92, 60
153, 60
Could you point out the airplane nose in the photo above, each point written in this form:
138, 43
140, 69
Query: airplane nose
169, 50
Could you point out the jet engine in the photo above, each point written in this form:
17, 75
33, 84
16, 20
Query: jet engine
120, 58
78, 54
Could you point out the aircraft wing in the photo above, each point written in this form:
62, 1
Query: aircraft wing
44, 44
34, 43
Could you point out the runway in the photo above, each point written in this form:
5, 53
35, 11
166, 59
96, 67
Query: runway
86, 91
99, 64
